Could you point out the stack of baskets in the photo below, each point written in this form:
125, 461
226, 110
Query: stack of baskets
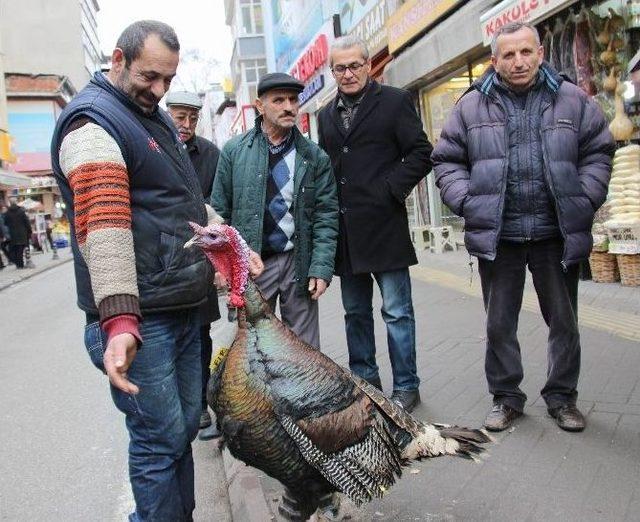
604, 268
629, 269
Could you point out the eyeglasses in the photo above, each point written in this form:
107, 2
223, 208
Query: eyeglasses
340, 69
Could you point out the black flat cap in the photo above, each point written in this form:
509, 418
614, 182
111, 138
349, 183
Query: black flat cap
278, 81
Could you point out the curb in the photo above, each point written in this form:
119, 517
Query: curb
246, 496
31, 272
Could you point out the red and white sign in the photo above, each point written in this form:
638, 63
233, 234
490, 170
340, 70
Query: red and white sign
517, 11
312, 59
304, 123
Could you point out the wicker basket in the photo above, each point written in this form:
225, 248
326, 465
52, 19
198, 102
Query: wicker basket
604, 268
629, 265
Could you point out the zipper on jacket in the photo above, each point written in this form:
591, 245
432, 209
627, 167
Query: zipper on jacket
547, 174
505, 173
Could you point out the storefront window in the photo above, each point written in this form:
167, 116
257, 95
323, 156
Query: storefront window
436, 104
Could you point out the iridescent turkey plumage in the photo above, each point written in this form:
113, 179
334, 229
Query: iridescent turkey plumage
289, 410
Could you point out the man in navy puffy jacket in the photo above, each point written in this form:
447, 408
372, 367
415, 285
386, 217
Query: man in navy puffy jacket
525, 158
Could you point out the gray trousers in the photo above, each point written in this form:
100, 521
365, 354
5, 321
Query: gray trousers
278, 283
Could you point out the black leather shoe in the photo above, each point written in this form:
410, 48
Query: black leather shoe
407, 399
205, 419
500, 417
568, 417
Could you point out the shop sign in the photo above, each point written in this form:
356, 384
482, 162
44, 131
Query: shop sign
304, 123
516, 11
312, 59
413, 17
624, 239
294, 23
311, 89
371, 27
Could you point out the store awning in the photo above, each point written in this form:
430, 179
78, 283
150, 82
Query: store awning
440, 47
14, 179
509, 11
31, 205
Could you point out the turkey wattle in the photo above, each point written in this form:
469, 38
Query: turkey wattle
290, 411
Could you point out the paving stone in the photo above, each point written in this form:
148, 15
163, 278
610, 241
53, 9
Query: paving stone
535, 471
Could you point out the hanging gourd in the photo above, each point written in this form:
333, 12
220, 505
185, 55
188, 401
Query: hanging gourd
609, 57
610, 83
621, 127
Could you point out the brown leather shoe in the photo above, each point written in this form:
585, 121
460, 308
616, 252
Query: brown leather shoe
500, 417
568, 417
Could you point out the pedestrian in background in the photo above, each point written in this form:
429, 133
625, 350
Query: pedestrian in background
276, 187
4, 237
19, 227
379, 153
525, 158
184, 109
130, 191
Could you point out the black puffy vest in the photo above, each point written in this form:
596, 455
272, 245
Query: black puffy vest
165, 196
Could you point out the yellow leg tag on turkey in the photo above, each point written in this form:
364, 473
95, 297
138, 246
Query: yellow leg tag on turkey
220, 356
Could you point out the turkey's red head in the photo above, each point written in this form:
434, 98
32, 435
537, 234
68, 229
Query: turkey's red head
229, 254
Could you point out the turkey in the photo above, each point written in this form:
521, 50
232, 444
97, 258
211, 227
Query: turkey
290, 411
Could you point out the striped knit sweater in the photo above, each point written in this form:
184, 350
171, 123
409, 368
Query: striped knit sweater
92, 162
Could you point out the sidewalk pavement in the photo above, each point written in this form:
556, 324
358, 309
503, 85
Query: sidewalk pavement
10, 275
535, 471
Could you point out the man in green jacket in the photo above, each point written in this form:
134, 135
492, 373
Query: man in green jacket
277, 188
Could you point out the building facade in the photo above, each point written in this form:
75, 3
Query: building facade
44, 37
34, 104
9, 179
249, 61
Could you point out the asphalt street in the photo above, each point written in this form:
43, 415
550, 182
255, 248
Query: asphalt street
63, 445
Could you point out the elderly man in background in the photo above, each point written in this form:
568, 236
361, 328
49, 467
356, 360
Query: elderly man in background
525, 158
184, 109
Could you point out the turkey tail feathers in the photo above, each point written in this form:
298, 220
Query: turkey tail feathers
433, 441
428, 440
468, 439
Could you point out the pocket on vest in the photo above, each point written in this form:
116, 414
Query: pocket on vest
167, 250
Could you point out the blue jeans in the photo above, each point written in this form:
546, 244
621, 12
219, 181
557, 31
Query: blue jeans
163, 418
397, 312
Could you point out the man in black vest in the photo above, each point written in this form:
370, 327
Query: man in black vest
379, 152
130, 191
184, 108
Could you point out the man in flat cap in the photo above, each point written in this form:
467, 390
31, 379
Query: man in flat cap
184, 109
277, 188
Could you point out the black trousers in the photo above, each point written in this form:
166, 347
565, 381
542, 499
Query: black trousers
205, 350
502, 289
17, 254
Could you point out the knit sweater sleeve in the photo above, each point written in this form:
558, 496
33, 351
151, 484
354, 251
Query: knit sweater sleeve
95, 168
